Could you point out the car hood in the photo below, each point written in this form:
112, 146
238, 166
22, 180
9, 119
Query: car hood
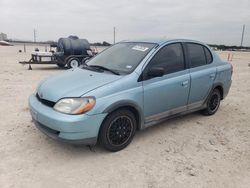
73, 83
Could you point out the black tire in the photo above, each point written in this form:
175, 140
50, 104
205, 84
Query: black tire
85, 59
117, 130
213, 103
73, 62
60, 65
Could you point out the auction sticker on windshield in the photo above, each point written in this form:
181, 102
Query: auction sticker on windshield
128, 66
140, 48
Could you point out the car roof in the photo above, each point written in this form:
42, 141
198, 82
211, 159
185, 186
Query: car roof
162, 41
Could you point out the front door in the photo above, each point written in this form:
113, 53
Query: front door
168, 94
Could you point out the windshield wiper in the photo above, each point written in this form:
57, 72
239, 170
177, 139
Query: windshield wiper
85, 66
105, 68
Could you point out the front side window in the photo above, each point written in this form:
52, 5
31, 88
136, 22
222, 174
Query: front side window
196, 55
170, 58
122, 57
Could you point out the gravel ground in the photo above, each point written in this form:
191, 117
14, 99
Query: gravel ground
189, 151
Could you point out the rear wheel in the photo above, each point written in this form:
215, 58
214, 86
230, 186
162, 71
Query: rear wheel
213, 103
73, 63
117, 130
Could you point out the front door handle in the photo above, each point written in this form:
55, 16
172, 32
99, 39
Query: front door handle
185, 83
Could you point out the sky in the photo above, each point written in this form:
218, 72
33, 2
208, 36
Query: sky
210, 21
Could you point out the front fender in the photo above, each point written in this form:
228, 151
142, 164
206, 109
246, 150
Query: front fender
122, 103
130, 104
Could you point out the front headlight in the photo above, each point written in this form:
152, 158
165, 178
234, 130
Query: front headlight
75, 105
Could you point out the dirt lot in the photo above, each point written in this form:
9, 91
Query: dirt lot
190, 151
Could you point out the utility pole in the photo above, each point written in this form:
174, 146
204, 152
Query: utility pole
34, 35
114, 35
242, 36
24, 47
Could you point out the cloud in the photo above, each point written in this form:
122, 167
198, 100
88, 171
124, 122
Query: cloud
209, 21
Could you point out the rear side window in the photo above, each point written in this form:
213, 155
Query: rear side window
208, 55
170, 58
196, 55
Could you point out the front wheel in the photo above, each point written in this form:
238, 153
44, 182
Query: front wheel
213, 103
117, 130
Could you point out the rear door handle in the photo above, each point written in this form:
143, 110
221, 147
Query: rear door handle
185, 83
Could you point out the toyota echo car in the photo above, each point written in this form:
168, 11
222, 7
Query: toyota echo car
127, 87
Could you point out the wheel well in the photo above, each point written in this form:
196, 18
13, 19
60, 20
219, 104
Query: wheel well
221, 91
134, 111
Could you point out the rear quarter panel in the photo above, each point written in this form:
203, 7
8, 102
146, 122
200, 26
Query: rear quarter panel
223, 74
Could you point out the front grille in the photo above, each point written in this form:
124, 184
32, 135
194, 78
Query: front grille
45, 102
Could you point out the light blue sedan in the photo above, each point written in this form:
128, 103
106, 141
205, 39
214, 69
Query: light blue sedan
130, 86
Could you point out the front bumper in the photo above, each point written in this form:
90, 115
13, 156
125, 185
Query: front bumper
77, 129
55, 135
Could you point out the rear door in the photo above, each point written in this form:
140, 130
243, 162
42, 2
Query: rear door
202, 72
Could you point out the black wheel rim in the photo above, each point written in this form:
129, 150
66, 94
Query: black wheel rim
214, 101
120, 130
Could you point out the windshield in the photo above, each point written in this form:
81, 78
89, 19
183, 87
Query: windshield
122, 57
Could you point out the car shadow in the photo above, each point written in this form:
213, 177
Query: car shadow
44, 68
169, 123
147, 133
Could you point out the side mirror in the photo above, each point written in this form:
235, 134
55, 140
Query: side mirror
156, 72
